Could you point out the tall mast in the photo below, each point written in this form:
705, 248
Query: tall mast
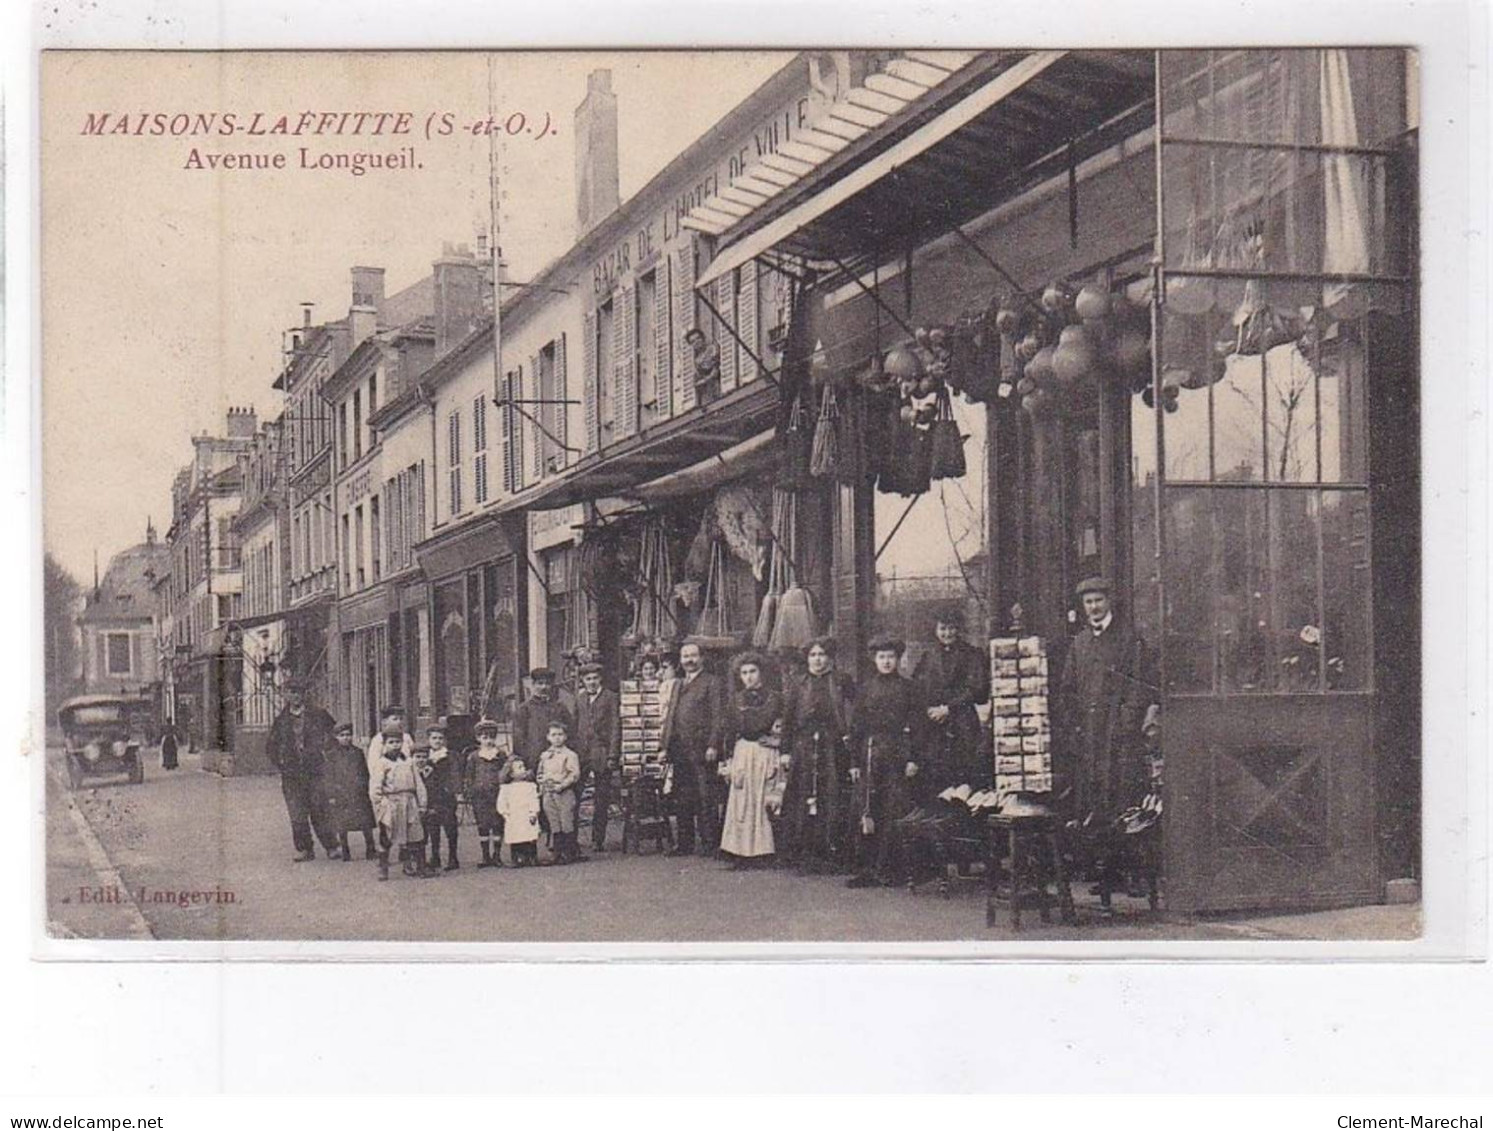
495, 197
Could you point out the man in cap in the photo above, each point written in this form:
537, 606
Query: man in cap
298, 739
532, 718
598, 735
952, 677
1106, 690
347, 790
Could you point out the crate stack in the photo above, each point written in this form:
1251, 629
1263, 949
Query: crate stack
642, 713
1019, 714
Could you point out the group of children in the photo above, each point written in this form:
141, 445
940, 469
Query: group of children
514, 796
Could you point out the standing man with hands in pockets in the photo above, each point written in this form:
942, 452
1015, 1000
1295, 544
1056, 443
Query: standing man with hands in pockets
692, 739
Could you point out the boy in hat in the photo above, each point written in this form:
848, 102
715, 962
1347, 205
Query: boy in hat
559, 774
391, 734
442, 784
397, 790
481, 784
347, 789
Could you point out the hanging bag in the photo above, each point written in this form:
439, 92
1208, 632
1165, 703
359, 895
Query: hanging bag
946, 444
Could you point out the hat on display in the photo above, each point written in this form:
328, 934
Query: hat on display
1092, 585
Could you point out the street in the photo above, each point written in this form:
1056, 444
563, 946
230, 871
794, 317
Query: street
202, 857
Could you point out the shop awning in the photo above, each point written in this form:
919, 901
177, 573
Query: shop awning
470, 543
699, 434
1001, 124
756, 454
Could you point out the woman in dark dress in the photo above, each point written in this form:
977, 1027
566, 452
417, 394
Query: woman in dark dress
889, 717
817, 723
753, 720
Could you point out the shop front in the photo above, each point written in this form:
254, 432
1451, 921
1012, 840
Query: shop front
477, 629
1175, 336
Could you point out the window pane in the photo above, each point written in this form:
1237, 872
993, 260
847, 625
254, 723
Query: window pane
1239, 421
1343, 366
1306, 95
1346, 639
1290, 415
1186, 365
1189, 568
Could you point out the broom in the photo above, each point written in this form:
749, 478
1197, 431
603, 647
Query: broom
824, 458
768, 614
796, 626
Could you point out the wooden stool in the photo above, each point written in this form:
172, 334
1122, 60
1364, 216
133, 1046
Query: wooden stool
1021, 835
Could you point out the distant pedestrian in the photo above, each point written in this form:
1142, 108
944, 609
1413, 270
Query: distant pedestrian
299, 736
347, 790
481, 784
559, 774
518, 807
168, 747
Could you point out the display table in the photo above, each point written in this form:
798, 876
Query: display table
1034, 845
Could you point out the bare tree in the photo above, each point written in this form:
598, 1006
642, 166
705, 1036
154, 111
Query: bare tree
61, 602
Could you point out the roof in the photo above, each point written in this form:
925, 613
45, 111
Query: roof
413, 304
125, 592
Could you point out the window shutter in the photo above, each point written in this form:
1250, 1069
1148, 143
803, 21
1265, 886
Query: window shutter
562, 394
590, 392
626, 322
135, 662
538, 412
725, 291
663, 387
516, 393
510, 484
684, 321
747, 323
103, 656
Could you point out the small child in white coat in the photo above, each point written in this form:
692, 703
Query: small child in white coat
518, 805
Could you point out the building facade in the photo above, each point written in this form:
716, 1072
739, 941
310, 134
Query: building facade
119, 623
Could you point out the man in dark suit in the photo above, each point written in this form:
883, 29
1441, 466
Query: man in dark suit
692, 739
532, 718
299, 737
1106, 692
598, 733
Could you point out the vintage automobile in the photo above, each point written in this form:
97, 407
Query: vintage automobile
104, 734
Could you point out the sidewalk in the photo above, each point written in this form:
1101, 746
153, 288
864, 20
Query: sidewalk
227, 841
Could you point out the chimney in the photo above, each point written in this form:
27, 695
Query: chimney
241, 423
366, 311
596, 186
458, 296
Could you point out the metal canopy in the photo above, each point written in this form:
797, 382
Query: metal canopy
1009, 123
673, 445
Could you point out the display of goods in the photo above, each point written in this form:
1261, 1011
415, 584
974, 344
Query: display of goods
824, 455
1039, 369
1056, 298
1092, 303
1019, 720
1073, 357
945, 443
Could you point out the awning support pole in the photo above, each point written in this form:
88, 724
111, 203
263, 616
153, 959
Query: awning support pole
770, 374
564, 447
897, 526
539, 577
875, 297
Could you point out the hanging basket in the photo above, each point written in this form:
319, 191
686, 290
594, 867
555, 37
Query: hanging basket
824, 457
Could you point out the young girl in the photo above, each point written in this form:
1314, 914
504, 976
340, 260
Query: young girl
559, 773
484, 778
518, 810
397, 791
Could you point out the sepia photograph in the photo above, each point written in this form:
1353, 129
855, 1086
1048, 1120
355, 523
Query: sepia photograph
821, 496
